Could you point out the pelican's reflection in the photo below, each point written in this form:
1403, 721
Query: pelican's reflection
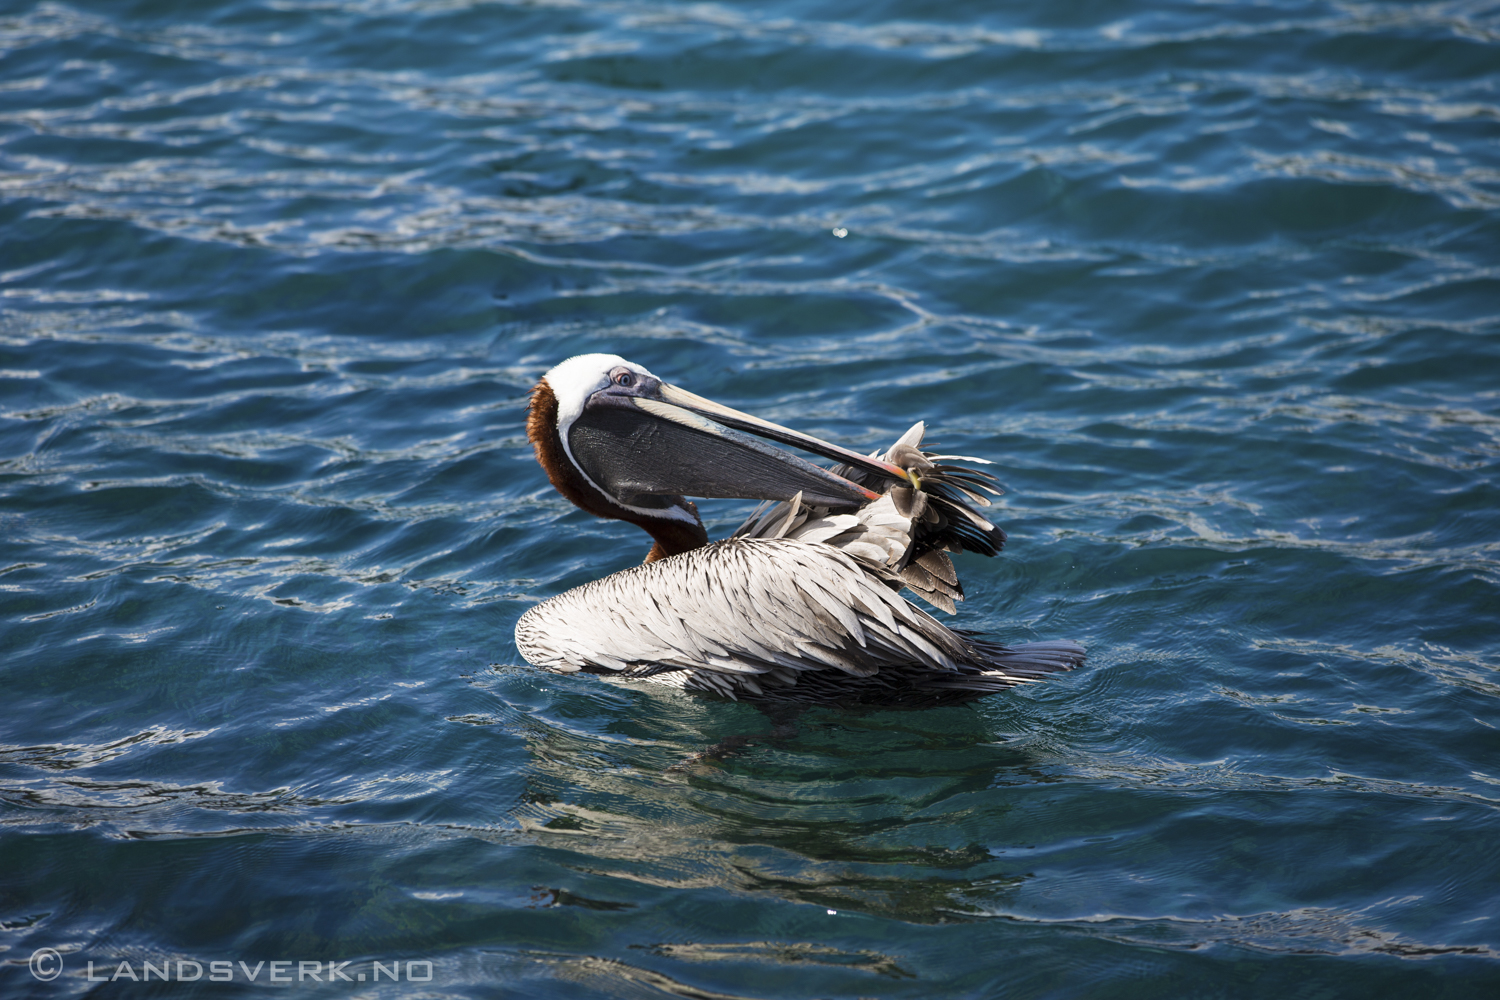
879, 812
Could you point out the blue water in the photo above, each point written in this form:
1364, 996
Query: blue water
1216, 284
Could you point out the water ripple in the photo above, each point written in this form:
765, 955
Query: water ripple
1213, 285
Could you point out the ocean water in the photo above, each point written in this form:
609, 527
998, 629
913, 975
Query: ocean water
1215, 284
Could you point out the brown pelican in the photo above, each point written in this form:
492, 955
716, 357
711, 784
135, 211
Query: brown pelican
800, 604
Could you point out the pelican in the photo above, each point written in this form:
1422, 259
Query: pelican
800, 605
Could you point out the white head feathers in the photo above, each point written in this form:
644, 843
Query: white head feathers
576, 379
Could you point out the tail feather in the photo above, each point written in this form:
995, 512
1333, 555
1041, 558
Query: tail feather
1031, 659
1000, 667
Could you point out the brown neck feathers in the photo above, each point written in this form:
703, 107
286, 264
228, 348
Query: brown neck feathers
670, 535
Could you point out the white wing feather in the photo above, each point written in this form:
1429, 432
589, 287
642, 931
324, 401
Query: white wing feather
740, 606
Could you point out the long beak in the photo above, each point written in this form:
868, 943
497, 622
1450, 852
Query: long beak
637, 447
730, 417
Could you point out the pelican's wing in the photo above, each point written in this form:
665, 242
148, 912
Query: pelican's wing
740, 614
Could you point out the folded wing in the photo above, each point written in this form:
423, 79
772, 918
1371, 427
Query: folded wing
765, 617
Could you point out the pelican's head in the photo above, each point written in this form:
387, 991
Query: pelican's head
619, 442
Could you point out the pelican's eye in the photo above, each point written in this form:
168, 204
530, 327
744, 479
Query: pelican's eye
625, 379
